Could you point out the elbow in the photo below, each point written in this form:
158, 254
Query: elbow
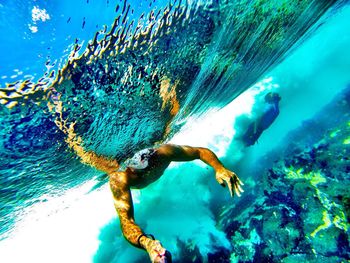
203, 153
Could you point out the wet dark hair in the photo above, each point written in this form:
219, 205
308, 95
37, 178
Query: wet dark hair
272, 97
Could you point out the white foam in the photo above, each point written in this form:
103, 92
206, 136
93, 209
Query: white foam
62, 229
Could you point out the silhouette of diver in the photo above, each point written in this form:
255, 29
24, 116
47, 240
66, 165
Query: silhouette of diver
265, 120
144, 168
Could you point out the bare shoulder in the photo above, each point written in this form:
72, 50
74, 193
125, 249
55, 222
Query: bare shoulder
165, 148
175, 152
170, 149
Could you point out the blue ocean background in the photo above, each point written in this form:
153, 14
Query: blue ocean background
56, 209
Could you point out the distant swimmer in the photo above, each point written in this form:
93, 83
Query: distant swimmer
144, 168
265, 119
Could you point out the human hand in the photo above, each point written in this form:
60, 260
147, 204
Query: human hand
231, 179
157, 253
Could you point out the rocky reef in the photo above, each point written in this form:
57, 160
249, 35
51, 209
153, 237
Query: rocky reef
296, 204
299, 210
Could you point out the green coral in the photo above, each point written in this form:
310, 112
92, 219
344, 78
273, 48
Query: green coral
314, 178
334, 133
346, 141
326, 223
332, 214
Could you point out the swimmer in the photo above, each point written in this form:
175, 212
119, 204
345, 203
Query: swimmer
144, 168
264, 119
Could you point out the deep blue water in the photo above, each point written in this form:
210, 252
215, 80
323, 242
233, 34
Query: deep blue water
52, 203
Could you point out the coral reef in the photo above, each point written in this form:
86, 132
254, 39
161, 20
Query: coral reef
300, 208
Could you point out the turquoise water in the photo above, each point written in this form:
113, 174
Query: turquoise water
216, 61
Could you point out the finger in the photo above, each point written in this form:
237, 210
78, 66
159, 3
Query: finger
239, 188
229, 184
161, 254
168, 256
160, 259
221, 182
232, 184
237, 192
240, 182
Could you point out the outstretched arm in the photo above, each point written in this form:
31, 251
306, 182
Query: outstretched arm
179, 153
131, 231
